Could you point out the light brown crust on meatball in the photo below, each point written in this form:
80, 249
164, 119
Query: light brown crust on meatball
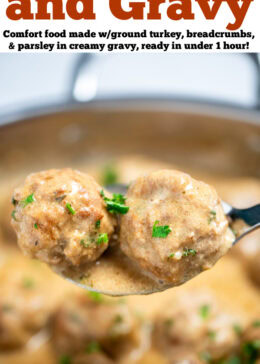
192, 210
62, 224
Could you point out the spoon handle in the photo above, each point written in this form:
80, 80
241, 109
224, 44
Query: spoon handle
251, 215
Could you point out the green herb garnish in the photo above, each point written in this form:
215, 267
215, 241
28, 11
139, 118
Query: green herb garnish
204, 311
109, 176
82, 242
115, 205
29, 199
212, 334
35, 226
205, 355
93, 347
188, 251
97, 224
95, 296
170, 256
256, 323
160, 231
118, 319
212, 216
102, 239
65, 359
14, 201
251, 350
237, 328
168, 322
70, 209
28, 283
232, 360
13, 215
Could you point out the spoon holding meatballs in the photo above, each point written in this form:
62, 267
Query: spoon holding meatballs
167, 229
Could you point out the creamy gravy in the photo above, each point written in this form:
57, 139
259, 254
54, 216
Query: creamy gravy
228, 279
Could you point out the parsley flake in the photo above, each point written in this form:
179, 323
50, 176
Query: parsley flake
97, 224
212, 216
102, 239
160, 231
204, 311
35, 226
115, 205
188, 251
95, 296
13, 215
109, 175
65, 359
256, 323
93, 347
29, 199
28, 283
170, 256
70, 209
237, 328
82, 242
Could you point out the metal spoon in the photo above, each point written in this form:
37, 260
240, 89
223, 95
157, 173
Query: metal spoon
102, 276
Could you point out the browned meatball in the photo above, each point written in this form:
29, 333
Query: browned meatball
61, 219
93, 325
175, 227
195, 322
25, 309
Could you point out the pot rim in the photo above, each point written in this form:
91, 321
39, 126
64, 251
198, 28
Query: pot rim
190, 106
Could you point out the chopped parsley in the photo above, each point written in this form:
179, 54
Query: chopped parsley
188, 251
115, 205
237, 328
109, 176
204, 311
212, 216
160, 231
212, 335
65, 359
170, 256
70, 209
168, 323
251, 350
95, 296
28, 283
256, 323
232, 360
97, 224
93, 347
82, 242
35, 226
13, 215
205, 355
14, 201
102, 239
118, 319
29, 199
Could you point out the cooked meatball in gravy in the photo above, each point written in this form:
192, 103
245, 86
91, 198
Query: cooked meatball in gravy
96, 325
175, 227
195, 321
61, 219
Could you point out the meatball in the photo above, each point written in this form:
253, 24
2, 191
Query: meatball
175, 227
93, 324
25, 306
195, 322
61, 218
